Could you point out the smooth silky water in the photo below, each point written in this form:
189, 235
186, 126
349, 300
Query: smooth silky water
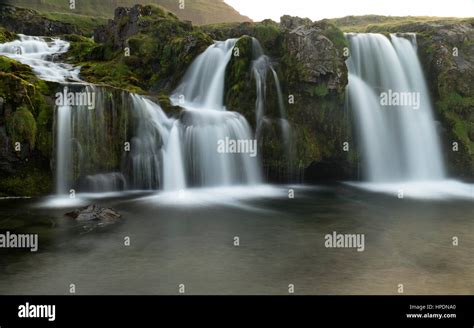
400, 145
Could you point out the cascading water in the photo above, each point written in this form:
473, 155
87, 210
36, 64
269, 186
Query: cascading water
399, 141
156, 150
203, 84
63, 149
164, 152
389, 98
87, 154
152, 162
39, 53
261, 65
204, 123
82, 135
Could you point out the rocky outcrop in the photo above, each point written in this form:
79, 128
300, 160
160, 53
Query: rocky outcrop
29, 22
267, 32
308, 59
319, 57
143, 49
128, 22
448, 55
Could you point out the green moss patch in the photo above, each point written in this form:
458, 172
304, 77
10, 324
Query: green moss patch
29, 182
21, 127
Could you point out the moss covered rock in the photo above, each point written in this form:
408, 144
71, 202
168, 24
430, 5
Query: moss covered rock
143, 49
266, 32
30, 180
26, 120
307, 58
6, 36
21, 127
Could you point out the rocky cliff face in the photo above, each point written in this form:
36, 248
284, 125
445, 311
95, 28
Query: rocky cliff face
26, 124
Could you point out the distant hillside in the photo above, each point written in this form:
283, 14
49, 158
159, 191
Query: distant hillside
200, 12
373, 23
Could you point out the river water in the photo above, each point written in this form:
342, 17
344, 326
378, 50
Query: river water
188, 238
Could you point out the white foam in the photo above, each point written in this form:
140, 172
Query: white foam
229, 196
436, 190
61, 202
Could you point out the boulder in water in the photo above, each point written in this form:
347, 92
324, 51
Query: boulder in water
94, 213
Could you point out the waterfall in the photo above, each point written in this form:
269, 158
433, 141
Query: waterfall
152, 162
63, 149
110, 140
389, 98
203, 83
88, 155
84, 142
167, 153
156, 154
261, 65
205, 123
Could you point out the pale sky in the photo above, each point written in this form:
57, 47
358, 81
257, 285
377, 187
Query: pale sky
317, 9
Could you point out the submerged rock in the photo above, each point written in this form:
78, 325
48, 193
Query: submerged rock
94, 213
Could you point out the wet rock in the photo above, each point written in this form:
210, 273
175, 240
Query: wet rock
94, 213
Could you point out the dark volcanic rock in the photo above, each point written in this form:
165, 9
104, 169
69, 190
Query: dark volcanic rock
27, 21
